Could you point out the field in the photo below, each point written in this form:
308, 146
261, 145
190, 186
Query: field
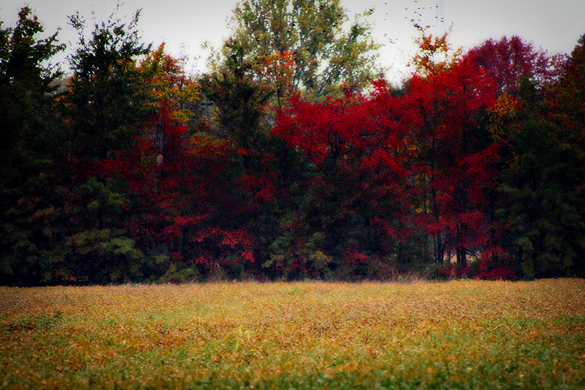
458, 334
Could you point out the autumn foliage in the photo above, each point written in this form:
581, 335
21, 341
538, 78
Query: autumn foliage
473, 168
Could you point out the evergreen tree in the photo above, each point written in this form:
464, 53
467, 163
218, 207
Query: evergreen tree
107, 97
544, 181
29, 140
104, 111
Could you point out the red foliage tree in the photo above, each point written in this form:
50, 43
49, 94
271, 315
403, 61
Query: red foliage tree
455, 157
422, 160
360, 196
509, 60
174, 202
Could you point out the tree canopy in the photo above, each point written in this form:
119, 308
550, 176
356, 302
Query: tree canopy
136, 171
309, 45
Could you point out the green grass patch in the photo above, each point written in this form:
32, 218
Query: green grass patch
457, 335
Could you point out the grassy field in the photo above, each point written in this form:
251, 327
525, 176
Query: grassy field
459, 334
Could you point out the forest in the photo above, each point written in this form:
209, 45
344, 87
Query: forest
293, 158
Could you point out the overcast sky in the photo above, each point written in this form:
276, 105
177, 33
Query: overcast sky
184, 25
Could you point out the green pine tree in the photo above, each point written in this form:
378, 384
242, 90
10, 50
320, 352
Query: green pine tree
29, 144
544, 184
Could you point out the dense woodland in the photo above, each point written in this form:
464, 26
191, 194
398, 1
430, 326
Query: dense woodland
291, 159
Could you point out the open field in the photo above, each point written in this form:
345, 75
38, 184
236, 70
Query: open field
460, 334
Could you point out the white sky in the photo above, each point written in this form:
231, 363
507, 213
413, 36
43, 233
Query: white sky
553, 25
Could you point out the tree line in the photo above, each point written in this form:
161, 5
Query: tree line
293, 158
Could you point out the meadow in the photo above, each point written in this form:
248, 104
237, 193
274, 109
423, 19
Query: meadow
306, 335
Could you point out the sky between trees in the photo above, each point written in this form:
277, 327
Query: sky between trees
184, 26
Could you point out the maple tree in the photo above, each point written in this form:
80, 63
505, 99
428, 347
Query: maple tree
435, 53
278, 70
434, 164
169, 83
339, 220
508, 61
184, 210
454, 150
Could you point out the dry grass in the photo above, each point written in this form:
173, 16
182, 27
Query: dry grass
460, 334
